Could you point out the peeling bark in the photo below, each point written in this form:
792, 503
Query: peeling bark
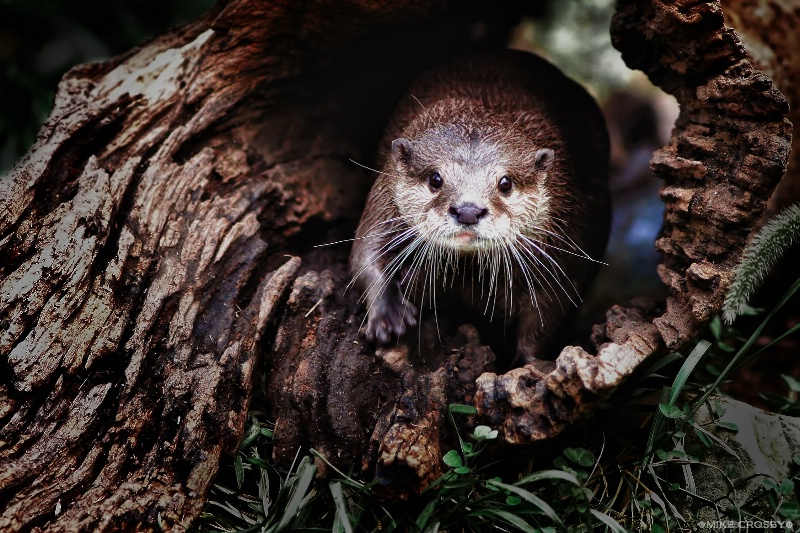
154, 244
768, 30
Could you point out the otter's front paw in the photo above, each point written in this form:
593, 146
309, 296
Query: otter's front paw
389, 316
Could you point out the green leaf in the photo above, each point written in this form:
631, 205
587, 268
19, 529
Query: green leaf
252, 432
727, 425
670, 411
459, 483
715, 326
512, 500
466, 447
462, 409
484, 433
786, 486
736, 359
725, 347
462, 470
580, 456
452, 459
789, 510
794, 384
705, 439
678, 454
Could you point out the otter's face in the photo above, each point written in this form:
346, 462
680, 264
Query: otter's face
468, 193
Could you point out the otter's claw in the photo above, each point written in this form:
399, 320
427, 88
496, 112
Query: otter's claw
389, 316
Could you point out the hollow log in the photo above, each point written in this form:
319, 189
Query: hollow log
156, 244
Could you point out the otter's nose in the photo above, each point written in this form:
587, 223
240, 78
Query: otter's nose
468, 213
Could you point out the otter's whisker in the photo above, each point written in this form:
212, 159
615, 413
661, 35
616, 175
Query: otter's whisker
374, 170
554, 276
394, 241
567, 240
530, 278
378, 287
375, 235
545, 273
524, 269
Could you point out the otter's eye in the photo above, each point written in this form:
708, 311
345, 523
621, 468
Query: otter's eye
435, 181
504, 185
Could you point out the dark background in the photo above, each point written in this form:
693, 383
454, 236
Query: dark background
41, 39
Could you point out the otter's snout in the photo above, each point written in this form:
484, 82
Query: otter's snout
468, 214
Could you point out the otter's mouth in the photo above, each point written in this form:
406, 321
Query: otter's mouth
465, 236
466, 240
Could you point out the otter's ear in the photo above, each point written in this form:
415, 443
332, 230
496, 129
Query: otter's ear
401, 150
543, 158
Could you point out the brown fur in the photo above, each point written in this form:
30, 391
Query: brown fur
473, 121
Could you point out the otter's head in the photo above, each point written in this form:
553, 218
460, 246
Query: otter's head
467, 190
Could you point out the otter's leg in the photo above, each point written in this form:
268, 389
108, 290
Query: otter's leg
389, 313
535, 329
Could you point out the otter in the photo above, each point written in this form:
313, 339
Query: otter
492, 195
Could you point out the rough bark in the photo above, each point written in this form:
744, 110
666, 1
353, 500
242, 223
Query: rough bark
142, 257
155, 242
768, 30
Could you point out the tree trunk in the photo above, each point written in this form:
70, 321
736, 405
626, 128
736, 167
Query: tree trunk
156, 242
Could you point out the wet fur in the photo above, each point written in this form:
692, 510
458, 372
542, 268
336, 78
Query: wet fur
474, 120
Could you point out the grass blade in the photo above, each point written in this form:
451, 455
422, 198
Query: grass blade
744, 349
238, 467
686, 370
530, 498
507, 517
612, 524
341, 506
426, 514
305, 475
548, 474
